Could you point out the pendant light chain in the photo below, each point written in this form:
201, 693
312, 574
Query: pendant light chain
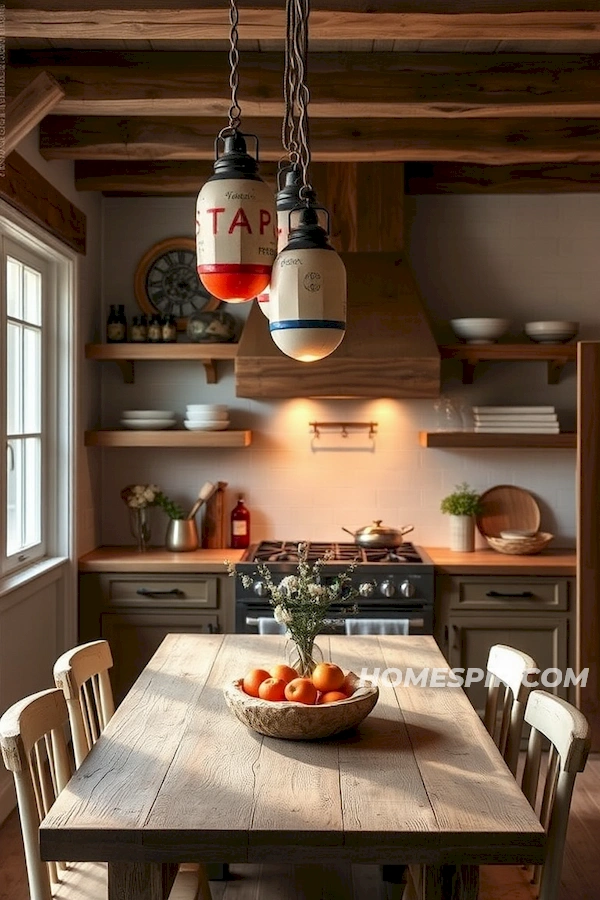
295, 131
235, 112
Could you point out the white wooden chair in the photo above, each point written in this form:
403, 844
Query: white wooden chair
508, 690
549, 790
34, 749
82, 675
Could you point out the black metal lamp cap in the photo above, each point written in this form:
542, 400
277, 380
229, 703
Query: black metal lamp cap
288, 196
235, 161
308, 234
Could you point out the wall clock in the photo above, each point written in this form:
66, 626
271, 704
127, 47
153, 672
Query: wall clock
166, 281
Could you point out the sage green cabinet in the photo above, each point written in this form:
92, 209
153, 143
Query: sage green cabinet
134, 612
535, 614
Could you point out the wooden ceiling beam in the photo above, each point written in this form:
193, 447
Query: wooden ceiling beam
152, 21
342, 85
492, 141
152, 177
531, 178
38, 96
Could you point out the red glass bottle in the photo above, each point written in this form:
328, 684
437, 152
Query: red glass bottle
240, 525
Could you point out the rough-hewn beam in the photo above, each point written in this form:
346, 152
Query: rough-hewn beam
494, 141
342, 85
24, 188
151, 177
533, 178
34, 101
150, 22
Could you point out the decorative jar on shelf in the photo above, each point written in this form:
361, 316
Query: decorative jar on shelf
139, 522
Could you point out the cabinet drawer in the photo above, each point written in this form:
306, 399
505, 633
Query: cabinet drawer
160, 591
513, 593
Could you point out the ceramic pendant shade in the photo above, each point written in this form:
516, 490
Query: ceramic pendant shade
236, 237
308, 302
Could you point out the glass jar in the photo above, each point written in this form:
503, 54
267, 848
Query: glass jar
116, 324
155, 333
139, 330
169, 329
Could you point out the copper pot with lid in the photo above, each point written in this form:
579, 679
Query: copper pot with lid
379, 537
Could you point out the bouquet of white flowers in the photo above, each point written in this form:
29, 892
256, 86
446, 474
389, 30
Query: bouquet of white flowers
302, 601
138, 498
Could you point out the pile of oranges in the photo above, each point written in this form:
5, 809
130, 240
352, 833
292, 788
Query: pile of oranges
327, 684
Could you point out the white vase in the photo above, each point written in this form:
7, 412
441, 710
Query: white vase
462, 533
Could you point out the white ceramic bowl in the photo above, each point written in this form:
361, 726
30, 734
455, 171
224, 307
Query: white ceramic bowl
550, 332
479, 331
207, 407
517, 535
204, 426
147, 414
192, 414
148, 424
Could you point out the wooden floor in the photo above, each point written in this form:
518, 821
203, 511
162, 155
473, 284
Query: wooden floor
580, 876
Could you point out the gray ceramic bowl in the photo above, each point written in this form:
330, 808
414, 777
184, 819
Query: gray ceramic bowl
481, 330
551, 332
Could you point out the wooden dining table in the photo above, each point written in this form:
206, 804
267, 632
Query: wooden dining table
175, 777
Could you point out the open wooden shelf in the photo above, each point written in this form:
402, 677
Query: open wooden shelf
125, 355
465, 440
556, 355
168, 438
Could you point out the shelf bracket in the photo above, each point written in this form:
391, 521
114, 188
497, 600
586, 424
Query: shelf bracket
555, 367
468, 371
210, 370
127, 370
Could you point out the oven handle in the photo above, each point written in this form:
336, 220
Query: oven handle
416, 623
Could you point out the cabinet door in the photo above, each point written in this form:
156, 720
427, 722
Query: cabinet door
134, 636
470, 638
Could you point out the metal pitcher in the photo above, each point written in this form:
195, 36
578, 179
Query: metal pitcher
182, 535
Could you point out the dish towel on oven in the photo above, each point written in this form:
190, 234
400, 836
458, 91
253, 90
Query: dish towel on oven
377, 626
268, 625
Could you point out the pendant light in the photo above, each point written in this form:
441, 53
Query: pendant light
307, 302
236, 238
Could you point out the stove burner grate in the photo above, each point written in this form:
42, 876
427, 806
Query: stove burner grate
287, 551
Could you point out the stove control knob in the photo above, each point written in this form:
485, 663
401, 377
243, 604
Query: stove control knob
366, 589
260, 589
387, 588
407, 589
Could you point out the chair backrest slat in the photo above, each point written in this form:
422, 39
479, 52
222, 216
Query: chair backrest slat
507, 670
82, 674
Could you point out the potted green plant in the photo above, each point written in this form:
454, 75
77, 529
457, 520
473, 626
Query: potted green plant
462, 506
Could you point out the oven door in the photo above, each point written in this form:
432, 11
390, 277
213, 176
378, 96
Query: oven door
420, 617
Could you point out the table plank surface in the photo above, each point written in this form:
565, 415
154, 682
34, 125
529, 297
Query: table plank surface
176, 777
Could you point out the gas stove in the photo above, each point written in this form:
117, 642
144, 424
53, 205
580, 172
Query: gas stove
396, 583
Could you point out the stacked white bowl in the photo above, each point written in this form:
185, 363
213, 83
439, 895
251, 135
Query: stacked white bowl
148, 419
206, 417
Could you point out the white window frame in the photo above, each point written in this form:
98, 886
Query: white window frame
21, 238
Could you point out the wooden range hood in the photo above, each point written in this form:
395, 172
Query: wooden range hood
388, 349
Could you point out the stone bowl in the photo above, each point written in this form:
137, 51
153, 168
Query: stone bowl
298, 721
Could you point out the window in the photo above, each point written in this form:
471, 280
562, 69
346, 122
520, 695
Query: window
35, 429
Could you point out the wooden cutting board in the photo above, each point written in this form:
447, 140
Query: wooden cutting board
506, 508
214, 525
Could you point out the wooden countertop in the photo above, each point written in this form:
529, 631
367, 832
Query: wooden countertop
489, 562
481, 562
157, 559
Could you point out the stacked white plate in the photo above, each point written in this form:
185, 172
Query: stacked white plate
206, 417
147, 419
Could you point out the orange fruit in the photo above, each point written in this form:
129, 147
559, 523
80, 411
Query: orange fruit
327, 677
272, 689
285, 673
302, 690
253, 680
332, 697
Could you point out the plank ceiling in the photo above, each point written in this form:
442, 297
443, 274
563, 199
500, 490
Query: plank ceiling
453, 86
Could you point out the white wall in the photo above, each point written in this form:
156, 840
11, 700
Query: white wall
524, 257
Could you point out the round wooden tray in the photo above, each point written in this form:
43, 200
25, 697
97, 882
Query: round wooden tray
298, 721
506, 508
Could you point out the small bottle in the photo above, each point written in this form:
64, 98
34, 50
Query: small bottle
169, 329
116, 325
155, 329
240, 525
139, 330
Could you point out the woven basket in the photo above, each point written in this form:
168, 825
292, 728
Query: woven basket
521, 547
298, 721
